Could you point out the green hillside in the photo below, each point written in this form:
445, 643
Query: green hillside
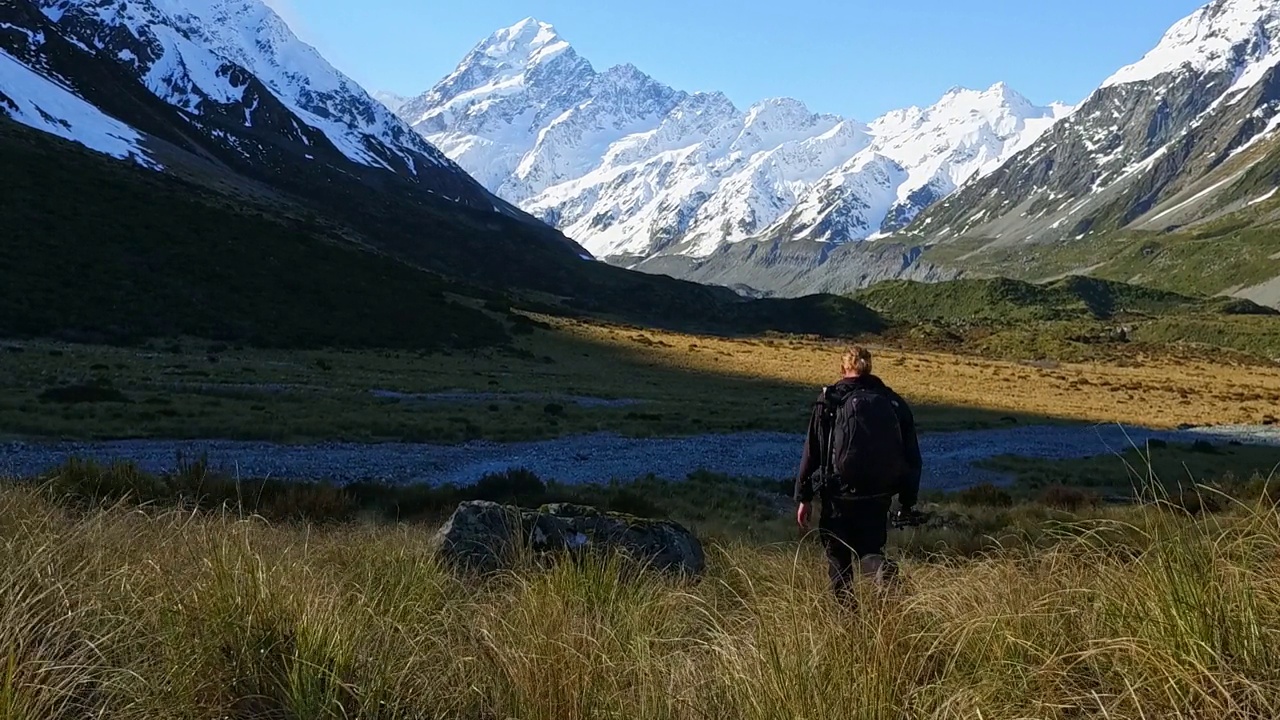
1237, 251
1004, 300
96, 250
1072, 318
101, 250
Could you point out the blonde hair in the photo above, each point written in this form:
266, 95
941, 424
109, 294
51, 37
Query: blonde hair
856, 361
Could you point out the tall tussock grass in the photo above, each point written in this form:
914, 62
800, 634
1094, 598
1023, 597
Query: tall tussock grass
112, 611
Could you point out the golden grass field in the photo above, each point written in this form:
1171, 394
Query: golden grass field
1137, 613
1160, 391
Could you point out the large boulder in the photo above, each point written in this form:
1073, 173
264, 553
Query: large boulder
487, 536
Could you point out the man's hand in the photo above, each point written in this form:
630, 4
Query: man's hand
802, 515
908, 517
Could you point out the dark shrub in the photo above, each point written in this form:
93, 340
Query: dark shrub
513, 487
553, 409
984, 495
84, 482
82, 393
625, 500
1195, 501
1204, 446
1065, 497
312, 502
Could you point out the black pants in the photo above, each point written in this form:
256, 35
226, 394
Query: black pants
851, 530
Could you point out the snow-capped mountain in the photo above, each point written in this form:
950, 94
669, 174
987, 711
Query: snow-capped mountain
34, 95
918, 156
631, 168
1179, 150
524, 111
392, 101
222, 80
1235, 36
1174, 138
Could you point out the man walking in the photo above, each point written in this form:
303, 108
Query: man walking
861, 450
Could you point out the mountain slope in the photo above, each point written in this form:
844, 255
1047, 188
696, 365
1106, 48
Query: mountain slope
258, 226
635, 170
1178, 141
222, 82
61, 112
142, 254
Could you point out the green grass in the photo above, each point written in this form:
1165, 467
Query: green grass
717, 508
1072, 319
183, 390
1007, 301
1199, 259
533, 389
713, 505
1234, 468
1256, 335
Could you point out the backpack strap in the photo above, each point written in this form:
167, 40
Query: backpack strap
827, 436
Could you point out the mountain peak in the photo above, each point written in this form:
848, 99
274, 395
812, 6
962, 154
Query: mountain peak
1000, 91
392, 101
626, 71
529, 40
528, 27
779, 107
529, 56
1225, 35
529, 23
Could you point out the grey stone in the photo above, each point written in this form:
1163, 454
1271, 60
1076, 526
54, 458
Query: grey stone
486, 537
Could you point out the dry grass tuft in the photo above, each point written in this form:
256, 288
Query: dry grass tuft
112, 612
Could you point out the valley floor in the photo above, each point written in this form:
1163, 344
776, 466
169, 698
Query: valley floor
572, 378
602, 458
582, 403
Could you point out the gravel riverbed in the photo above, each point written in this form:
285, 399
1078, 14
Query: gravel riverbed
601, 457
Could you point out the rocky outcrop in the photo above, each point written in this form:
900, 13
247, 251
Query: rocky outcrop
485, 536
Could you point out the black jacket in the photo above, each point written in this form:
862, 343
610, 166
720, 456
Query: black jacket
810, 462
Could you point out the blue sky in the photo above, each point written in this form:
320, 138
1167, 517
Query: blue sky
858, 58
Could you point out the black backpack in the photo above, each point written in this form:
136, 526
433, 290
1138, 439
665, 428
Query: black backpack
863, 449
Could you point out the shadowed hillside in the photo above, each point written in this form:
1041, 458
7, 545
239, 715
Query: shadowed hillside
101, 250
